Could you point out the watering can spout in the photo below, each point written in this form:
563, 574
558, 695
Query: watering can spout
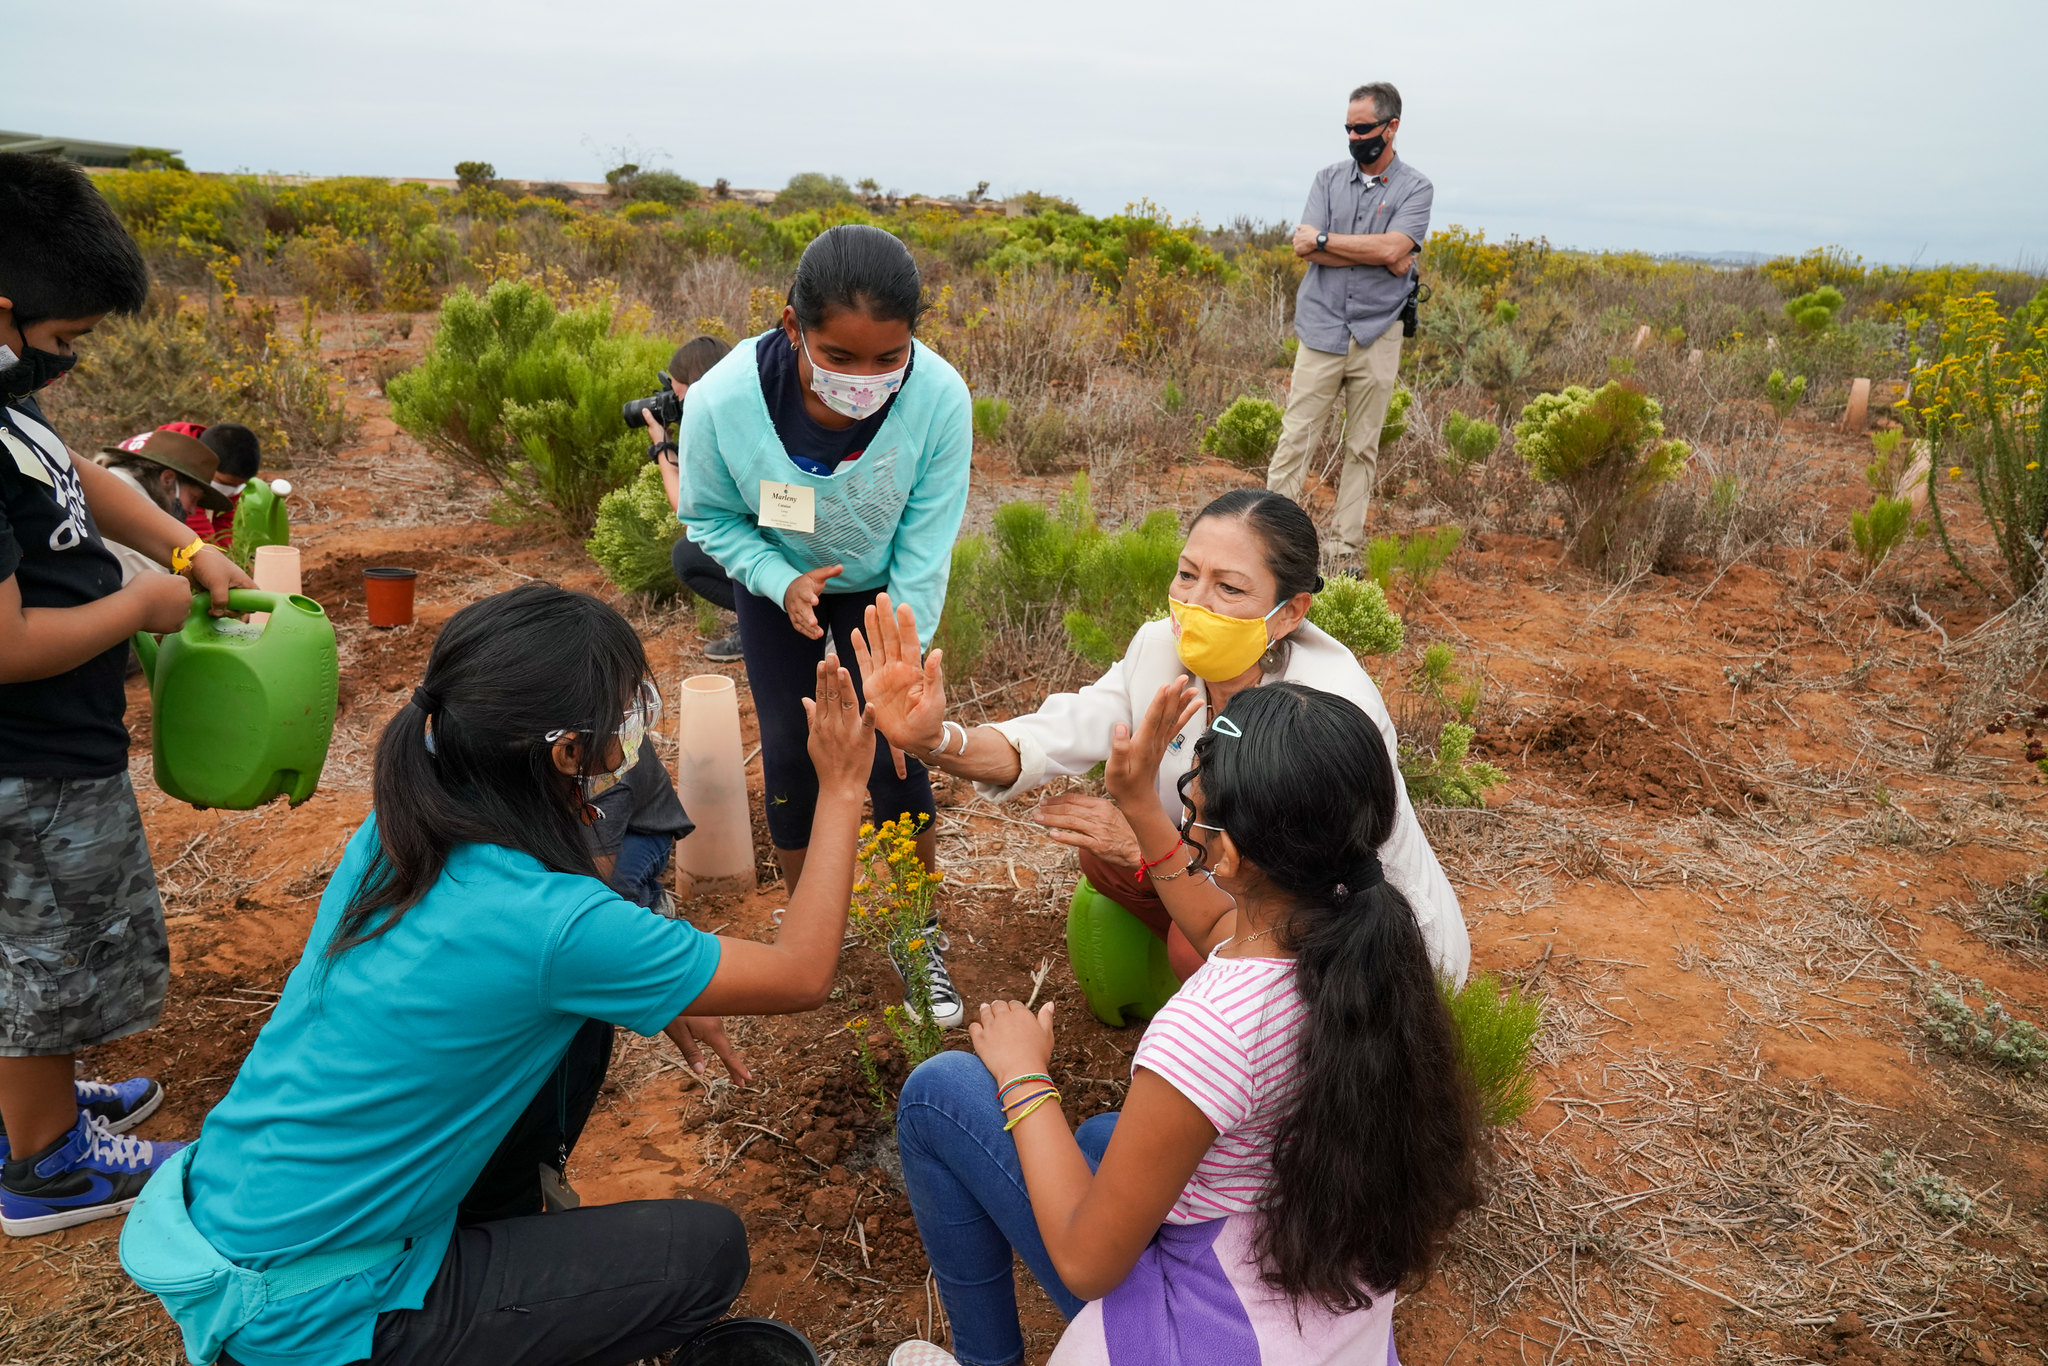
145, 650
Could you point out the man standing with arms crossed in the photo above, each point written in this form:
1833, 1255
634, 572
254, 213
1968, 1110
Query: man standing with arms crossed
1364, 224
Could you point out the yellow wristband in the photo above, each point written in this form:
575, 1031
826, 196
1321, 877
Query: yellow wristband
181, 560
1049, 1095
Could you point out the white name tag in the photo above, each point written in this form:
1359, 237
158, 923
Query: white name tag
789, 507
25, 459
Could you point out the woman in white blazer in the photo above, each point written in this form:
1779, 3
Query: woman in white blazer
1238, 609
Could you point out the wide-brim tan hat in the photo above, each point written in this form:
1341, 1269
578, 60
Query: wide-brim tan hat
176, 451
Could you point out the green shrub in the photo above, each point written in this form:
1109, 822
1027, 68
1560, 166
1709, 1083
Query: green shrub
990, 415
1606, 447
636, 528
1880, 530
1396, 425
1815, 310
1173, 400
1497, 1025
475, 175
1120, 583
1040, 444
1979, 404
808, 191
1437, 678
1883, 471
1470, 440
1356, 614
659, 187
1416, 557
1993, 1035
963, 625
1246, 432
530, 397
1448, 778
1784, 394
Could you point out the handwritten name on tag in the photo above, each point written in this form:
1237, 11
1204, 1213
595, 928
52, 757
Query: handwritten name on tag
789, 507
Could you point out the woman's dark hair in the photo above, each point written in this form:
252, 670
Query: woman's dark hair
236, 447
1292, 553
860, 268
63, 252
504, 673
694, 359
1379, 1156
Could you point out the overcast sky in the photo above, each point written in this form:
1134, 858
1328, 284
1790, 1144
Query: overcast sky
1903, 132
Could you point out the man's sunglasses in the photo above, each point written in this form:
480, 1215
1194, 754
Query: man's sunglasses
1365, 129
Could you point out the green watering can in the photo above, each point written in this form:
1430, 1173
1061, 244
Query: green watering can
1120, 964
243, 712
260, 519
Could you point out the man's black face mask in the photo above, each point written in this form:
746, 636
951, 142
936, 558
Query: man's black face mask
32, 370
1365, 151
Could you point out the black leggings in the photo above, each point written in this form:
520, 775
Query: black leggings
700, 573
585, 1287
782, 670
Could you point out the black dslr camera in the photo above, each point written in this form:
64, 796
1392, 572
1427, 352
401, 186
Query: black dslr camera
663, 403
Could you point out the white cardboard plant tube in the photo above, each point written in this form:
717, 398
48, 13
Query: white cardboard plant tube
711, 780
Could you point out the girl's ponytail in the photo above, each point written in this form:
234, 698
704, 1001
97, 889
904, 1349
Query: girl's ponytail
466, 759
1379, 1156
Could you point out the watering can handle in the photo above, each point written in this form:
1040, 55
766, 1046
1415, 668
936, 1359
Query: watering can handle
239, 600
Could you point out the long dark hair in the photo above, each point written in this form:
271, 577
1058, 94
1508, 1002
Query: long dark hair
1284, 531
1379, 1156
504, 673
861, 268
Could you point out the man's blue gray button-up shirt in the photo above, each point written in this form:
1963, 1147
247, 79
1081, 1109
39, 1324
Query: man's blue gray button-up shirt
1339, 302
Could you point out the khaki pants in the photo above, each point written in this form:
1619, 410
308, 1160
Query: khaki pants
1363, 377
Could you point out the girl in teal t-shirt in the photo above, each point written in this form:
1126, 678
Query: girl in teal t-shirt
372, 1186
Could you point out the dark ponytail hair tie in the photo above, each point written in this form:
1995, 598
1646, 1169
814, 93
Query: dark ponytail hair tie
425, 700
1365, 876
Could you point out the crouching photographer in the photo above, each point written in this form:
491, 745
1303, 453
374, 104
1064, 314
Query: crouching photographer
659, 412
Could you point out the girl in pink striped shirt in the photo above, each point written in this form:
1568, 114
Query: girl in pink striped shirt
1300, 1131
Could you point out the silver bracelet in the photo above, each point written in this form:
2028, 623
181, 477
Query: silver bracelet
946, 729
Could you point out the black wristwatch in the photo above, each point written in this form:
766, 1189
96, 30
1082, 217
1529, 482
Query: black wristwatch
1322, 241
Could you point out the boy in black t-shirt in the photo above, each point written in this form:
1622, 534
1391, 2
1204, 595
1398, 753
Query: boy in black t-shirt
82, 950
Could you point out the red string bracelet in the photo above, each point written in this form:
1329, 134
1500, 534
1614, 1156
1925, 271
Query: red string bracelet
1147, 865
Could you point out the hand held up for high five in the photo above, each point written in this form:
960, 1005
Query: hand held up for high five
800, 599
1132, 771
842, 743
908, 699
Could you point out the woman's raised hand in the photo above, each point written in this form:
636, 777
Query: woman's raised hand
842, 741
1132, 771
908, 701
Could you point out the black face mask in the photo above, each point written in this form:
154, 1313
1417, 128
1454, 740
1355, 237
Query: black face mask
1365, 151
34, 370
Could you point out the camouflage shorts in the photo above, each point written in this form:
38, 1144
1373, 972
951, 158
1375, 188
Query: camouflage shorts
82, 952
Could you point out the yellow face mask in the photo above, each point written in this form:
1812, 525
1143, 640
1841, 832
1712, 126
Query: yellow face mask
1215, 647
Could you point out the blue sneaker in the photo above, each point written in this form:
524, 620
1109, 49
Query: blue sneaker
119, 1105
88, 1174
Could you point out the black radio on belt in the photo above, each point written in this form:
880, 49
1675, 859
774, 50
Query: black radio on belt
1418, 294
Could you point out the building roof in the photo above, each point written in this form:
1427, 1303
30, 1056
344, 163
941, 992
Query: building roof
84, 151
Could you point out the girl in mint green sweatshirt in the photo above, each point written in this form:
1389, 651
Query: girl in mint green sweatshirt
822, 463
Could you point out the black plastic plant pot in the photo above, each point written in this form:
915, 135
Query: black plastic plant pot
748, 1342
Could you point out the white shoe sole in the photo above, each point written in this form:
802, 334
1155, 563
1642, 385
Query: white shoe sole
70, 1218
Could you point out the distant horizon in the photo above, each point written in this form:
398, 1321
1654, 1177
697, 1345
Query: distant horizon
1773, 129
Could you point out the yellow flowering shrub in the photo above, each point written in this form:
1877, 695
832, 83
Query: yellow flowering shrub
894, 899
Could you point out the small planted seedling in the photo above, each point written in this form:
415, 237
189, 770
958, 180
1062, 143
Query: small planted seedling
1396, 425
1468, 441
1880, 529
1993, 1035
1784, 394
990, 416
1497, 1026
1448, 778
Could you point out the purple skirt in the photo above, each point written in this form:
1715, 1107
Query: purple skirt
1196, 1298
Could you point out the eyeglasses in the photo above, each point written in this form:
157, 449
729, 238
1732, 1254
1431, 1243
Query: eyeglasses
641, 715
1365, 129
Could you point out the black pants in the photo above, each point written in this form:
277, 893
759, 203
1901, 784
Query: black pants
700, 573
782, 670
582, 1287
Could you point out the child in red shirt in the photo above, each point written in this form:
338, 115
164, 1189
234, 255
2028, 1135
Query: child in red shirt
240, 456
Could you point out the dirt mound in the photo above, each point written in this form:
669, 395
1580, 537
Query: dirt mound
1619, 742
377, 660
